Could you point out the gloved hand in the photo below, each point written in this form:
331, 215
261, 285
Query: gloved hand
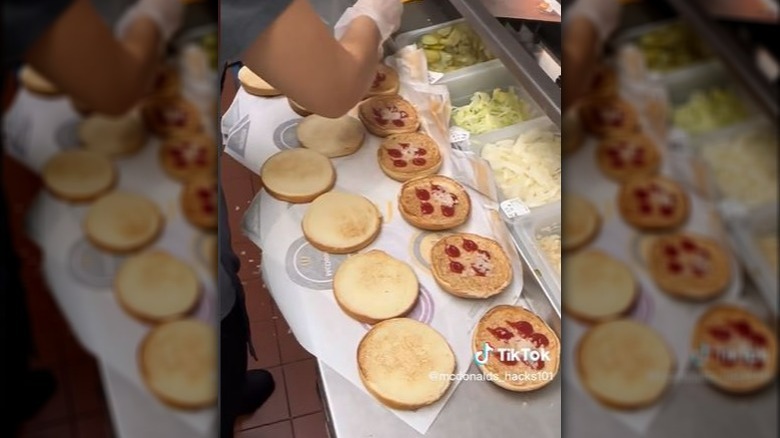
166, 14
604, 14
385, 13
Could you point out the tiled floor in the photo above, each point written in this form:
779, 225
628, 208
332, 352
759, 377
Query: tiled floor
78, 408
295, 409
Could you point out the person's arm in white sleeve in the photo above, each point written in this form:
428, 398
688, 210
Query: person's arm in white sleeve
83, 57
586, 27
326, 74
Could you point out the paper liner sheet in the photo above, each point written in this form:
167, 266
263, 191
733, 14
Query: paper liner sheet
299, 276
79, 275
672, 319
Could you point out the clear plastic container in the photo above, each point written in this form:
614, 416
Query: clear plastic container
413, 36
528, 231
633, 35
485, 78
743, 177
682, 86
748, 229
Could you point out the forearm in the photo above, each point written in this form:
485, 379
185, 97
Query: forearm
80, 54
580, 56
299, 56
142, 42
358, 66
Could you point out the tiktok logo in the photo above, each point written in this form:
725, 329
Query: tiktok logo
481, 357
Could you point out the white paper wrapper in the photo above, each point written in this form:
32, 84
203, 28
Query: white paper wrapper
673, 319
299, 276
79, 275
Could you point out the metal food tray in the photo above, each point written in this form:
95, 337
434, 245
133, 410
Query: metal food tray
486, 77
695, 144
681, 86
411, 38
745, 227
526, 231
632, 35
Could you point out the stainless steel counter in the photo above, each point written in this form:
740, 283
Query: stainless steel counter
476, 409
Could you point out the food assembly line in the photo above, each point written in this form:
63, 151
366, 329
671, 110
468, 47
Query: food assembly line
391, 256
671, 197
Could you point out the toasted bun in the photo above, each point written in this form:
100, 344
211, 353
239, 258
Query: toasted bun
123, 222
623, 157
113, 136
188, 156
624, 364
406, 156
653, 203
341, 223
199, 201
387, 115
397, 359
386, 82
178, 363
581, 222
737, 351
156, 287
690, 266
605, 116
301, 111
36, 83
254, 84
373, 287
78, 175
470, 266
513, 327
434, 203
297, 175
598, 287
169, 116
331, 137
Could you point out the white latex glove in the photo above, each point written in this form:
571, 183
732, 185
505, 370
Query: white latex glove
604, 14
385, 13
166, 14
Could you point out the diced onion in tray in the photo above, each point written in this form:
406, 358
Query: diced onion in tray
745, 166
529, 167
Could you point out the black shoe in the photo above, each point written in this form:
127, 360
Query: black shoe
257, 390
37, 387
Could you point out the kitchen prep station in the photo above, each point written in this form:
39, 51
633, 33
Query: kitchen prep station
673, 192
105, 176
449, 183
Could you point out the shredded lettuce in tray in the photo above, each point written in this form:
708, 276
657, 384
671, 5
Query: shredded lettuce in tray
488, 112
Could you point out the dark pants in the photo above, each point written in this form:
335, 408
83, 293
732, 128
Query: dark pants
15, 332
232, 371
